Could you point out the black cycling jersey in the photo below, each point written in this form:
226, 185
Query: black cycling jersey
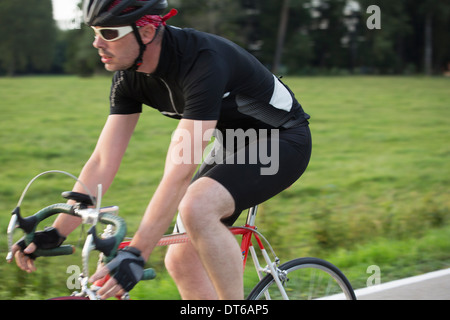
205, 77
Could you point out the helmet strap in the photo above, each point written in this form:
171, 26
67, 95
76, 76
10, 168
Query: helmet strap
142, 47
139, 60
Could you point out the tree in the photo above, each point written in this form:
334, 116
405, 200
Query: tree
322, 24
284, 16
81, 57
27, 35
221, 17
434, 13
384, 50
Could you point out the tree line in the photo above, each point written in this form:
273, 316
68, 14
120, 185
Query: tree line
298, 37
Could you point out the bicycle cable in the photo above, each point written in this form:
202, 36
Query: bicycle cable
264, 239
94, 201
55, 171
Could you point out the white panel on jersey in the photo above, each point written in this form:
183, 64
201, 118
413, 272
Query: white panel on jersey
281, 98
170, 114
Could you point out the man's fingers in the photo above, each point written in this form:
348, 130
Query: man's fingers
15, 248
24, 262
110, 289
99, 274
30, 249
30, 265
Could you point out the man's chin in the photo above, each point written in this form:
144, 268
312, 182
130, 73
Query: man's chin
111, 67
114, 68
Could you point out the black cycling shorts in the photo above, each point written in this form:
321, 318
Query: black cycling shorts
281, 158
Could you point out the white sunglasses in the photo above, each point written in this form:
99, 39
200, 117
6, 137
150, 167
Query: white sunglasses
112, 33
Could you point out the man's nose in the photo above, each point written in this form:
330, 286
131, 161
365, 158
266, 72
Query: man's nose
99, 42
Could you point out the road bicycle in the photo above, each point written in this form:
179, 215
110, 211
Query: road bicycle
298, 279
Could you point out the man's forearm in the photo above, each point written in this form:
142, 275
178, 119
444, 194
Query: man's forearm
174, 184
159, 215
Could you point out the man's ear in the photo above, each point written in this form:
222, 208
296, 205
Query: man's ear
147, 33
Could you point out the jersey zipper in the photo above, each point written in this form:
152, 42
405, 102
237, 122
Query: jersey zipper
171, 97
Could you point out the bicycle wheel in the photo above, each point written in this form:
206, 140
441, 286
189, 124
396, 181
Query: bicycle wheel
305, 279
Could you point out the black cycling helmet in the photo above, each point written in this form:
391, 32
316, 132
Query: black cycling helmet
98, 12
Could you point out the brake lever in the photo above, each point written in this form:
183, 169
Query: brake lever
13, 224
17, 221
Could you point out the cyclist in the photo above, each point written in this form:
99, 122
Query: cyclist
210, 85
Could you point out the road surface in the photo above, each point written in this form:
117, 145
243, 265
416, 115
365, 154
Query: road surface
431, 286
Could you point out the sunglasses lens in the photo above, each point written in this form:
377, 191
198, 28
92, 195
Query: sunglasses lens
110, 34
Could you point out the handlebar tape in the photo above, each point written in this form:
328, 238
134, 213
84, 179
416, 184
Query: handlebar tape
30, 224
59, 251
149, 274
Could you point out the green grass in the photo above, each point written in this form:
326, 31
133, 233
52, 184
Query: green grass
396, 259
376, 191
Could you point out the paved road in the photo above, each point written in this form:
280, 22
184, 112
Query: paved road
430, 286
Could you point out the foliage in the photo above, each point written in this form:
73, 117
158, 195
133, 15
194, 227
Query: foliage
81, 57
325, 37
28, 36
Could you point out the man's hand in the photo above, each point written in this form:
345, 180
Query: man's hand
126, 270
48, 239
23, 259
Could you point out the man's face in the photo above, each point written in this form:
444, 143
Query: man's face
118, 54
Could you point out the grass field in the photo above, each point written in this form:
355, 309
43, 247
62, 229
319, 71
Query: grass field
376, 191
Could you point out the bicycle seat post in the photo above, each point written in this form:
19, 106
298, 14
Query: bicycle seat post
251, 216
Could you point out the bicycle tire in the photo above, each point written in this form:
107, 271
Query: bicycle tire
307, 284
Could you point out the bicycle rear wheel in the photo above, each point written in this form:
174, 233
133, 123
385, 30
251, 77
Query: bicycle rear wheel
305, 279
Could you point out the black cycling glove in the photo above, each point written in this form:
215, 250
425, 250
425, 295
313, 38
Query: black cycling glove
127, 267
49, 238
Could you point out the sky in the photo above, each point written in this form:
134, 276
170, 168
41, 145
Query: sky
65, 11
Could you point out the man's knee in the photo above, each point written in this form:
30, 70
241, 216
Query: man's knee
181, 259
194, 206
190, 210
174, 260
191, 203
205, 201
